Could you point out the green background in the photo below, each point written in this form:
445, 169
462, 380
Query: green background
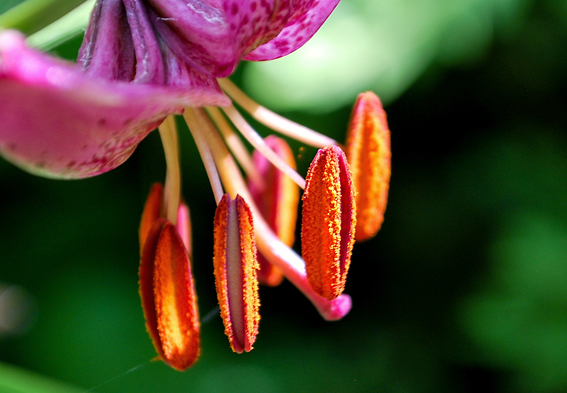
463, 290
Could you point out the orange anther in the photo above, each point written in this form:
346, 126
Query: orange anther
328, 222
277, 199
235, 272
153, 210
368, 152
168, 296
151, 213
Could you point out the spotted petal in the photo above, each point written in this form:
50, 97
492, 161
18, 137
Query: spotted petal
56, 121
214, 35
308, 18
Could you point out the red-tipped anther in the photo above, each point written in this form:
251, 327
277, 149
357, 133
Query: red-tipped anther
277, 199
368, 153
235, 272
166, 284
328, 222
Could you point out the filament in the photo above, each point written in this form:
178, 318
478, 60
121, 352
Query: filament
291, 264
258, 142
172, 191
273, 120
198, 127
235, 145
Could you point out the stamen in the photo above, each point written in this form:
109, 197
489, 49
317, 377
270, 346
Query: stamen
258, 142
184, 228
273, 120
277, 198
368, 152
172, 194
168, 296
235, 272
329, 220
291, 264
151, 213
195, 126
234, 144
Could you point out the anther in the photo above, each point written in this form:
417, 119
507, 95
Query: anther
368, 153
235, 272
328, 222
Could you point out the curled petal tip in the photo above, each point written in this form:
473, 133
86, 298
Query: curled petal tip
369, 156
236, 265
329, 219
307, 18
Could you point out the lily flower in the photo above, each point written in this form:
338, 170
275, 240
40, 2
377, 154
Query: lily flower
140, 62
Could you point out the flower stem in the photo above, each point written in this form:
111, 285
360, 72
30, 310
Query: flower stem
33, 15
63, 29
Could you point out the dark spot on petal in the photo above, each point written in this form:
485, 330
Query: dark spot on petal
12, 146
253, 6
234, 9
102, 122
71, 164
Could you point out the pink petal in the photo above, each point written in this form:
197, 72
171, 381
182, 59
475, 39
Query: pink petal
299, 29
213, 35
197, 32
57, 122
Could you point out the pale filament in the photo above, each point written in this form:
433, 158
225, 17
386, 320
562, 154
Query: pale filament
172, 189
291, 264
258, 143
235, 145
273, 120
196, 126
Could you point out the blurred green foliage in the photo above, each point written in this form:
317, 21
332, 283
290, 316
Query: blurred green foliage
464, 288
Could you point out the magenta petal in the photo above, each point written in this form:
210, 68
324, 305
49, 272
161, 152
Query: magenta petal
212, 35
299, 29
57, 122
197, 32
107, 50
254, 22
